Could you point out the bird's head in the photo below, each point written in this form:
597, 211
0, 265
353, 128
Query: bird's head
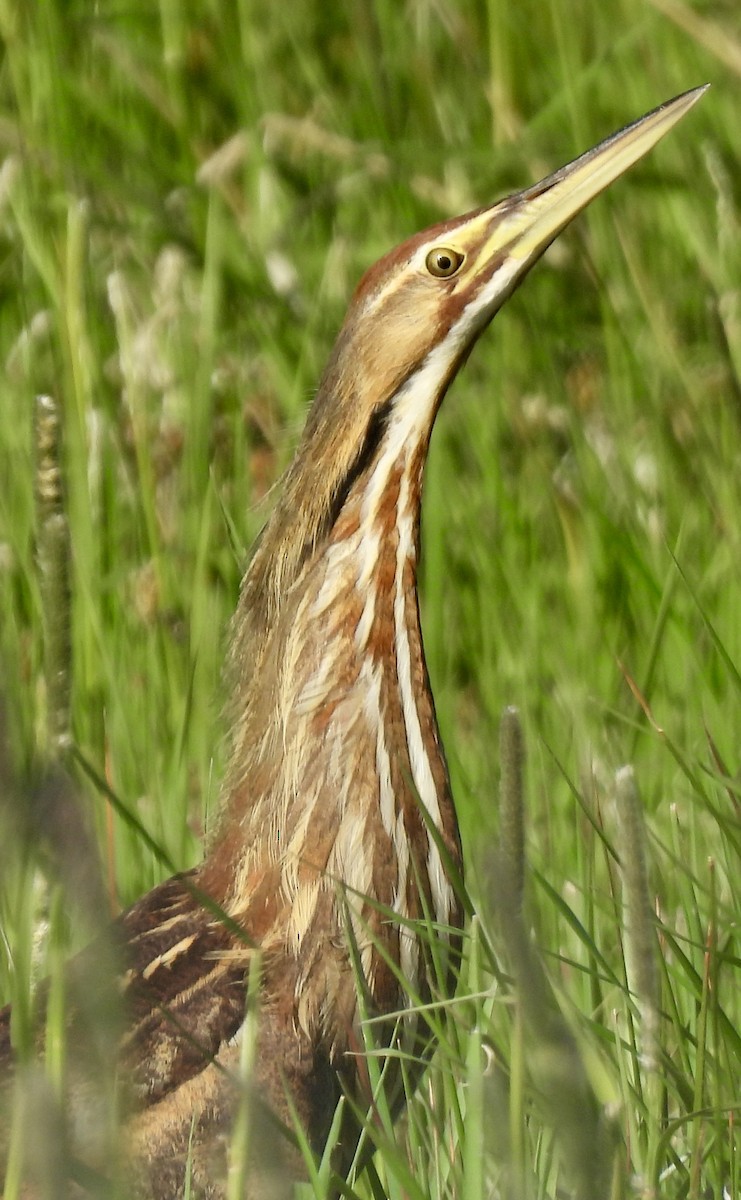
437, 291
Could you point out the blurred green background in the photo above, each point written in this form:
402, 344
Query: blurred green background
188, 194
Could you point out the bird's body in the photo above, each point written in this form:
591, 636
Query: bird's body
338, 840
337, 769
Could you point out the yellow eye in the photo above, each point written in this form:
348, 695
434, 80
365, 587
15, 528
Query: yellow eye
443, 262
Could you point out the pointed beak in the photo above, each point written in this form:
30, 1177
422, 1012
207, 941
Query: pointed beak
530, 220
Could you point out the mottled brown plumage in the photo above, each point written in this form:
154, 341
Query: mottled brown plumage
338, 829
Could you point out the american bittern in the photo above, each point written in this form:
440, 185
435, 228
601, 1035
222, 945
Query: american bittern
337, 813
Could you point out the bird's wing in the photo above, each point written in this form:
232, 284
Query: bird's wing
183, 988
157, 995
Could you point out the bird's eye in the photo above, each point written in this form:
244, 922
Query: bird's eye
443, 262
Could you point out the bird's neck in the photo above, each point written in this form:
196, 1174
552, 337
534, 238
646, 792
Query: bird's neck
336, 741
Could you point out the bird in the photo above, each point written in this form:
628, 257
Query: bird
337, 854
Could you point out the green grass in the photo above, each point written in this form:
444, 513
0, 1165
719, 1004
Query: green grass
188, 194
